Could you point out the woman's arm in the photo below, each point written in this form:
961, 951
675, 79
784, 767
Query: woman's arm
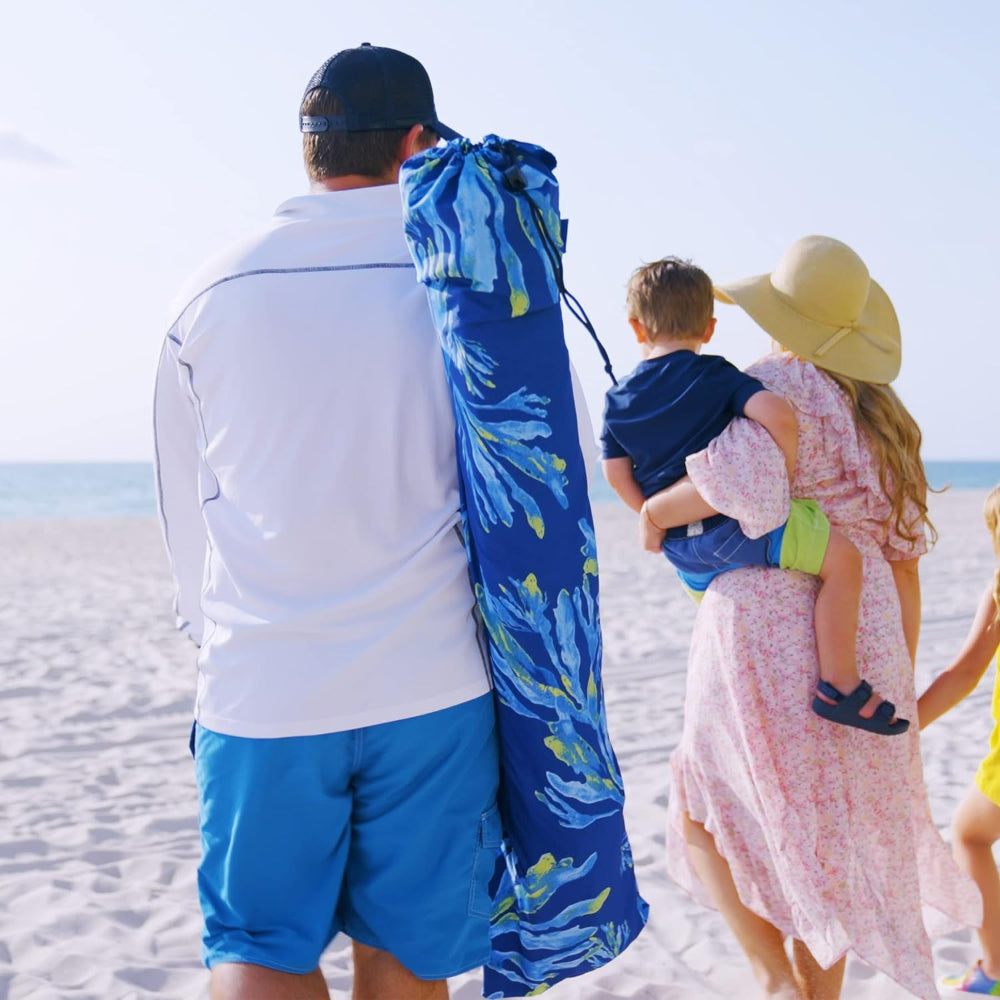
960, 679
775, 414
740, 474
907, 579
678, 504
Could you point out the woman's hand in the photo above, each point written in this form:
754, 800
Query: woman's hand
650, 535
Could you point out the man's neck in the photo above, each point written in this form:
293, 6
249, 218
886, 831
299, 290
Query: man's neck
350, 182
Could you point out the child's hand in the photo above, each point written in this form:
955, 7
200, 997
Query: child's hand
650, 536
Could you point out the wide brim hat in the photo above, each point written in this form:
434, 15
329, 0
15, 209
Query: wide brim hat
821, 303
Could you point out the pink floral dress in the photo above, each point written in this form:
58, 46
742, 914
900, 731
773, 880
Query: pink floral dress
827, 829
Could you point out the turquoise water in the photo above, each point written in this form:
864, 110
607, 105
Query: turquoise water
76, 489
126, 488
963, 475
956, 475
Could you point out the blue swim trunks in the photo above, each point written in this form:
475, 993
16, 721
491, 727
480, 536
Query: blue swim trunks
701, 552
388, 833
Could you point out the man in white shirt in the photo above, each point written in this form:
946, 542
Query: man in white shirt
344, 742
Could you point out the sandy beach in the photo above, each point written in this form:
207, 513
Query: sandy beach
98, 831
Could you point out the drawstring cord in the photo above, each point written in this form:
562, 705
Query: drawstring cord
515, 182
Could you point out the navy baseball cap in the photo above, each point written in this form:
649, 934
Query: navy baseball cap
379, 88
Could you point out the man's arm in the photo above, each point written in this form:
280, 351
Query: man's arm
585, 429
777, 417
175, 431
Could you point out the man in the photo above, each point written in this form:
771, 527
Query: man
344, 743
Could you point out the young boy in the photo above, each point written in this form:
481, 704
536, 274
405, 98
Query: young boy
672, 405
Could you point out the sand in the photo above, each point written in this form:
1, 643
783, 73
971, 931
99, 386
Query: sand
98, 831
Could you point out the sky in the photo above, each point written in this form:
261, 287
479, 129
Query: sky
137, 138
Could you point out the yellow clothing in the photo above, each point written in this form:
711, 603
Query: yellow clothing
988, 775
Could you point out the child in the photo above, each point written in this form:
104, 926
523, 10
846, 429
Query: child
976, 826
672, 405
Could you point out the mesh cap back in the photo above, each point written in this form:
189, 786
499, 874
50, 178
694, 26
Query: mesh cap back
379, 88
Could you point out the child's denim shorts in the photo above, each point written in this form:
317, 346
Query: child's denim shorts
718, 544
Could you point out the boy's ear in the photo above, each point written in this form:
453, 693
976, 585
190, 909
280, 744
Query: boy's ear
709, 330
640, 331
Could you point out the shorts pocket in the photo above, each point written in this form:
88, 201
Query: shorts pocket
487, 852
727, 544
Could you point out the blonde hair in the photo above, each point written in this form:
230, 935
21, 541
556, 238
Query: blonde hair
671, 298
991, 513
894, 438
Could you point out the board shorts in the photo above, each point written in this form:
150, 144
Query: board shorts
701, 551
388, 833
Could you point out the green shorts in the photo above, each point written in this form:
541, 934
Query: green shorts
806, 537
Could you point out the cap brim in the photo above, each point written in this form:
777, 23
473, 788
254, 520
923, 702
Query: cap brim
444, 132
872, 355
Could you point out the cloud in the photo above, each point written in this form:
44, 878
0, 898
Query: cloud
15, 148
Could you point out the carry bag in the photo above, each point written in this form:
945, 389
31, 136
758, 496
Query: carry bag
483, 227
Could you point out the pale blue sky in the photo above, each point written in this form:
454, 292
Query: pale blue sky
138, 137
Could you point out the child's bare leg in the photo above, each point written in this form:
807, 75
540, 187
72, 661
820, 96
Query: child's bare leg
975, 828
836, 619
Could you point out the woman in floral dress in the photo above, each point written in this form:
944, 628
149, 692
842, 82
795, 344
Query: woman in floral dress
791, 826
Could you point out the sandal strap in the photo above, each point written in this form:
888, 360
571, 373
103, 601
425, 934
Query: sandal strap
859, 697
829, 691
885, 711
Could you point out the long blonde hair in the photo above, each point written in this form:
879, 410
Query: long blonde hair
991, 512
894, 438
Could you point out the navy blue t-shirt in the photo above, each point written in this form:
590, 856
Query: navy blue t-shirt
669, 408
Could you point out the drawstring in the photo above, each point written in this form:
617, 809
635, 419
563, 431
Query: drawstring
515, 182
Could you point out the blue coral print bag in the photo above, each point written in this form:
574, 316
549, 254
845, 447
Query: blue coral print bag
483, 227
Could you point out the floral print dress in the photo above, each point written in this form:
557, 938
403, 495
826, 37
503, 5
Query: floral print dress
827, 829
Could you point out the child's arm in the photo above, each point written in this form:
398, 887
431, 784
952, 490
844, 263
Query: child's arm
906, 576
621, 478
958, 680
777, 417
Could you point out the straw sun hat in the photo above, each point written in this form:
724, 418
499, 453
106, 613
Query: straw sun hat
821, 303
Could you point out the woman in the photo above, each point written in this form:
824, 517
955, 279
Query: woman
790, 826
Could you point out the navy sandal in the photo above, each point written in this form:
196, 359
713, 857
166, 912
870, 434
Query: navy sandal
847, 710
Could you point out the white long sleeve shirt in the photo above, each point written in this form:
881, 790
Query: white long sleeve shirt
308, 488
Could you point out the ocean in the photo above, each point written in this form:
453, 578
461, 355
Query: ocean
953, 475
70, 489
92, 489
